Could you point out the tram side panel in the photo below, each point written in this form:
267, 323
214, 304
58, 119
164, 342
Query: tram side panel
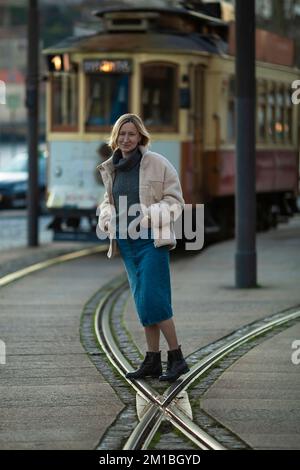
277, 163
74, 186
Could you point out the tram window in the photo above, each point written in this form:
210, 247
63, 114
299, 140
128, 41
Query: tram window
271, 113
288, 125
231, 111
107, 99
279, 124
159, 96
262, 110
64, 90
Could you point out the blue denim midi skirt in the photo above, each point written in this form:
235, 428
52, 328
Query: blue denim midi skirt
148, 272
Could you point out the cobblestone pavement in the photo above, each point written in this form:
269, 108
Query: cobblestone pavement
13, 229
53, 397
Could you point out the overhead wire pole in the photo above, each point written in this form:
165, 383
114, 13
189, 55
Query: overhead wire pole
32, 95
245, 201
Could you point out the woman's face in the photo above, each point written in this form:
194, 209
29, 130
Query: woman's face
128, 138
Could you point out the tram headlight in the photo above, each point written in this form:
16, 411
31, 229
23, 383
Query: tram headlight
57, 62
58, 171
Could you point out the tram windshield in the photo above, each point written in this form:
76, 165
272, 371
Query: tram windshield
64, 101
106, 95
107, 98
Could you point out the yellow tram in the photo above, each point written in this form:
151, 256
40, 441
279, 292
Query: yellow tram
175, 68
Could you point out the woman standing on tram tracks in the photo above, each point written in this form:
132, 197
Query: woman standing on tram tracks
149, 181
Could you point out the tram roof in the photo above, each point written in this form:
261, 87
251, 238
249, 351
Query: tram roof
180, 11
140, 42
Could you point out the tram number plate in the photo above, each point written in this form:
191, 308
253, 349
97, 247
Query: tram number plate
107, 66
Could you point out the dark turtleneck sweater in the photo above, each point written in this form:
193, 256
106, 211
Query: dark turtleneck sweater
126, 181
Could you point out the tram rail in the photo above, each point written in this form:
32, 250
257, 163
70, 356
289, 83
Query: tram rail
163, 406
15, 275
159, 406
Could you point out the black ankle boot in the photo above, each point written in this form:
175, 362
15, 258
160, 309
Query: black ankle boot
150, 367
176, 366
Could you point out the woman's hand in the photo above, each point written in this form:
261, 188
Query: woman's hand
146, 220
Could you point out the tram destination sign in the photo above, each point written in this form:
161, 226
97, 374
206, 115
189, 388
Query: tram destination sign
107, 66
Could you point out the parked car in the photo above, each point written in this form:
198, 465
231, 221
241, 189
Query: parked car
14, 181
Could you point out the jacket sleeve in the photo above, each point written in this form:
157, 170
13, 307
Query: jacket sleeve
172, 192
104, 213
169, 208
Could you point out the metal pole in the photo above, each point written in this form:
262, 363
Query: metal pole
32, 114
245, 258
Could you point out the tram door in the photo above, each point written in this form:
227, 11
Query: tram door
198, 133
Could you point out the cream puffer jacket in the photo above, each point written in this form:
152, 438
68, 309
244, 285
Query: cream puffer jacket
160, 194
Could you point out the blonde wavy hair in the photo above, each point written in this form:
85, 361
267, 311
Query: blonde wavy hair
136, 120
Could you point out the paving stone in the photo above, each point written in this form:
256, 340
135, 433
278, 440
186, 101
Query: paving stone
52, 396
